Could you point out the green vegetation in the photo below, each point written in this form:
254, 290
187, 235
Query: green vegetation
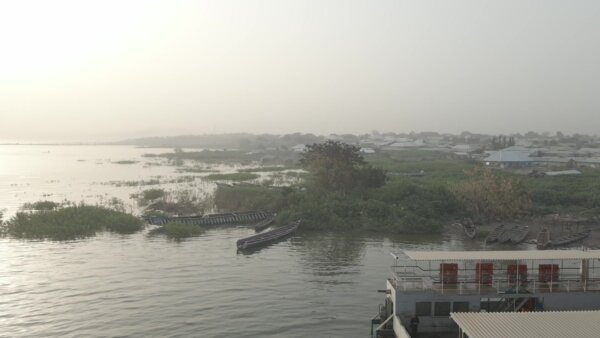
152, 194
566, 194
40, 205
196, 170
339, 167
178, 231
231, 156
250, 197
264, 169
232, 177
344, 192
70, 222
133, 183
158, 201
488, 196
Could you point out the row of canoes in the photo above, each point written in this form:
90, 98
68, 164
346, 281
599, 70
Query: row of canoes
214, 219
517, 234
500, 234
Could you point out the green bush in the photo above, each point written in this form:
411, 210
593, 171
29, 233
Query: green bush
232, 177
71, 222
40, 205
152, 194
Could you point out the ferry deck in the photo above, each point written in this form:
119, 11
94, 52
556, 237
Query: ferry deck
434, 285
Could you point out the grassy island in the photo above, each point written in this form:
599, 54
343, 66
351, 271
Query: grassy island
71, 222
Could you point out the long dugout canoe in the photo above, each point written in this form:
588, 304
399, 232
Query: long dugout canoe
214, 219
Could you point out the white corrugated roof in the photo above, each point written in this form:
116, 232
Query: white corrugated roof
581, 324
502, 255
509, 156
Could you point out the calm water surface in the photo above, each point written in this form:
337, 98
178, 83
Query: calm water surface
310, 285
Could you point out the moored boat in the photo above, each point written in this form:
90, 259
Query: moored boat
519, 234
247, 217
506, 235
427, 288
493, 236
260, 226
571, 238
543, 239
469, 228
267, 236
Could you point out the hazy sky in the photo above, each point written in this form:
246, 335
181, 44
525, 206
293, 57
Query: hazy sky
106, 70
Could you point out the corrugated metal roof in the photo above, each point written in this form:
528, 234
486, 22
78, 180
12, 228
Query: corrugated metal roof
502, 255
581, 324
509, 156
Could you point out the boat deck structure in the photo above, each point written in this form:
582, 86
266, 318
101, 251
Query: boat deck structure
431, 285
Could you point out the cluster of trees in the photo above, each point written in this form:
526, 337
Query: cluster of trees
343, 191
501, 142
339, 167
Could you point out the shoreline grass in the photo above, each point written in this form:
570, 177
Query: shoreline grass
125, 162
243, 176
72, 222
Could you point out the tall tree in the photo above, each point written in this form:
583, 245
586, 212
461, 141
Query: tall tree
488, 196
339, 167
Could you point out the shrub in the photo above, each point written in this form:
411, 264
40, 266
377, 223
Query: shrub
71, 222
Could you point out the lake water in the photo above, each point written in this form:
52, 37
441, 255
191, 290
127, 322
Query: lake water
310, 285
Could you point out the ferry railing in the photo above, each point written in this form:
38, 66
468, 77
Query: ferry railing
413, 278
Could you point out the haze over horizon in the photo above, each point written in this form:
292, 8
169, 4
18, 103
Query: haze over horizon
111, 70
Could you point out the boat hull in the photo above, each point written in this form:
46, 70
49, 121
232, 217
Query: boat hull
266, 237
249, 217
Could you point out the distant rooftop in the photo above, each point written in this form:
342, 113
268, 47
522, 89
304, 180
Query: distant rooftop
502, 255
509, 156
582, 324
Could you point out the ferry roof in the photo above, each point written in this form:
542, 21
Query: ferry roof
502, 255
581, 324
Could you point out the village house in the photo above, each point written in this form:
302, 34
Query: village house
509, 159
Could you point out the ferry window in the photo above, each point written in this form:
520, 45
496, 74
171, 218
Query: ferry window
460, 307
423, 309
442, 309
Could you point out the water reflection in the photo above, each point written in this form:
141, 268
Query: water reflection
330, 254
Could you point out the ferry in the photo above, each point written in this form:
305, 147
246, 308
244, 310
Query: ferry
455, 293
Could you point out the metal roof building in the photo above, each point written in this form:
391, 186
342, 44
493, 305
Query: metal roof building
509, 158
581, 324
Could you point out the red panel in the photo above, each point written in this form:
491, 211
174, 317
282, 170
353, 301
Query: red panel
449, 273
548, 272
511, 271
484, 273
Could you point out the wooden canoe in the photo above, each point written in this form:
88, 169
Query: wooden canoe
247, 217
543, 239
506, 235
519, 234
493, 236
262, 225
570, 238
267, 236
